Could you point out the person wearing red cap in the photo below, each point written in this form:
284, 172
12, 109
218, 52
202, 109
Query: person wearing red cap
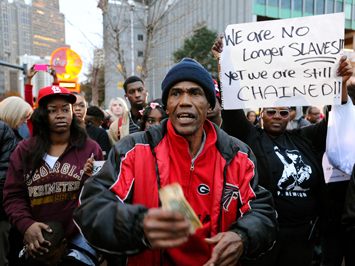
29, 89
45, 175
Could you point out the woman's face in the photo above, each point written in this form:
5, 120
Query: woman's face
24, 119
60, 114
252, 117
154, 118
275, 125
80, 108
117, 108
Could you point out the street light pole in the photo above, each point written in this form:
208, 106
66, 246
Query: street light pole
23, 68
132, 40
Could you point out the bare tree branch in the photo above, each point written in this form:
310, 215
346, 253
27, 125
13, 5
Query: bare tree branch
153, 17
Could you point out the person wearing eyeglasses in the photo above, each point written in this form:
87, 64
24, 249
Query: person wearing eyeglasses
290, 167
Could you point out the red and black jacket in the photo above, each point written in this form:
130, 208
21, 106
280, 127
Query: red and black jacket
221, 187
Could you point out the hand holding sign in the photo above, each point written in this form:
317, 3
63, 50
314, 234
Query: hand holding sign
282, 64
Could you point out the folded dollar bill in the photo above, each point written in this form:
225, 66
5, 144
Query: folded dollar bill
172, 199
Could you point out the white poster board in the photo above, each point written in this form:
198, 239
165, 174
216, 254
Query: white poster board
290, 62
97, 166
332, 174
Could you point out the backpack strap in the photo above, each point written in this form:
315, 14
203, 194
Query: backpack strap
119, 125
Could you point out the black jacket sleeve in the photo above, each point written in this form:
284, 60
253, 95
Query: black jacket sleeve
236, 124
348, 219
102, 215
8, 144
104, 143
317, 134
258, 226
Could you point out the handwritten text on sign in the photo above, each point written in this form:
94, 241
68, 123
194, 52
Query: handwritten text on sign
289, 62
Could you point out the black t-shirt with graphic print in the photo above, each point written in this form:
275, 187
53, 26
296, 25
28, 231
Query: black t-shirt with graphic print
298, 181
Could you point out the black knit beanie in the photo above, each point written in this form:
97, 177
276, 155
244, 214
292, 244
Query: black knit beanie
189, 70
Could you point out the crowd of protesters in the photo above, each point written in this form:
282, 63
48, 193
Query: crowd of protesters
253, 177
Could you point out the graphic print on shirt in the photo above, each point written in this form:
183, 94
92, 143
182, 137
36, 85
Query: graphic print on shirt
294, 174
62, 183
231, 193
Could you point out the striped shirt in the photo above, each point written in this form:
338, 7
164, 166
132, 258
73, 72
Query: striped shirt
133, 127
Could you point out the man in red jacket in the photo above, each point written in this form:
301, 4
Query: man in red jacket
120, 211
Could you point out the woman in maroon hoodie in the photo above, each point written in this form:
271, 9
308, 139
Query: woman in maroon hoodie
46, 174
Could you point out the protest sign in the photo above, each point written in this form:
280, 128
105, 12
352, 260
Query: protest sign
289, 62
97, 166
332, 174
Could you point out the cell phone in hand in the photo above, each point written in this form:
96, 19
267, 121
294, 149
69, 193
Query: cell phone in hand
41, 67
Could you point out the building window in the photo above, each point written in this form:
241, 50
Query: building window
140, 37
274, 3
320, 7
140, 53
339, 6
297, 5
286, 4
309, 8
260, 2
330, 6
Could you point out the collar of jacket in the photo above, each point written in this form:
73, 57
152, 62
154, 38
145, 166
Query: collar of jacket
224, 144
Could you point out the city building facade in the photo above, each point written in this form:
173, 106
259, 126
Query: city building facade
17, 37
48, 27
36, 29
120, 23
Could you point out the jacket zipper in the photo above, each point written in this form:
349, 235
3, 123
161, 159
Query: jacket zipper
192, 166
191, 170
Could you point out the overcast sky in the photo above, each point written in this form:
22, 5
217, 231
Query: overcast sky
83, 28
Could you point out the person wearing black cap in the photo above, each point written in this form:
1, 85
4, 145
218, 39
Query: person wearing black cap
217, 175
45, 175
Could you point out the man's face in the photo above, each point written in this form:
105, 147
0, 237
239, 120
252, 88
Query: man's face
137, 95
92, 120
60, 114
80, 109
55, 254
313, 115
275, 123
187, 107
